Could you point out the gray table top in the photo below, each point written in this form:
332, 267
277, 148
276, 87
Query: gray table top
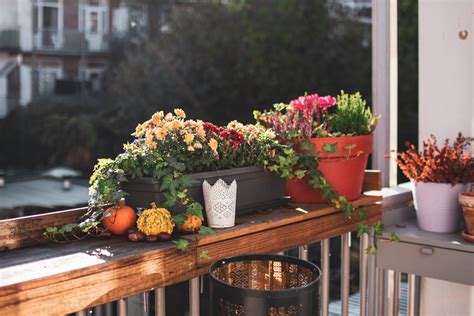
408, 231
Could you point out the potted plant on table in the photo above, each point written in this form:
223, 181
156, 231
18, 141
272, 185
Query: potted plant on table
438, 174
337, 131
171, 157
466, 199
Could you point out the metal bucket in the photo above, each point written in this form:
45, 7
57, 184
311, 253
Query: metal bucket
258, 285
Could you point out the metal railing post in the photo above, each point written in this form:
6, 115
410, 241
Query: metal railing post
363, 271
160, 302
108, 309
325, 269
371, 281
381, 291
396, 292
98, 310
303, 252
122, 307
413, 295
345, 273
194, 296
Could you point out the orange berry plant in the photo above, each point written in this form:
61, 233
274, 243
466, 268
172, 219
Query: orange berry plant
440, 164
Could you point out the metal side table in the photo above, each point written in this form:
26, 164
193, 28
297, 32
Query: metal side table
419, 253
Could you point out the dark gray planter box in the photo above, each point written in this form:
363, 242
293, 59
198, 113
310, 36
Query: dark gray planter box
256, 189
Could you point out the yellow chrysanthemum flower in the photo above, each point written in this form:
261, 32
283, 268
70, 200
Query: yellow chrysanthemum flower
197, 145
157, 117
176, 124
213, 144
188, 138
169, 117
180, 113
201, 132
161, 133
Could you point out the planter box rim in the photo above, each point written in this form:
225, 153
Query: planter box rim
205, 174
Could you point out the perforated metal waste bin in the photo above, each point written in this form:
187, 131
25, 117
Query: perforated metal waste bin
258, 285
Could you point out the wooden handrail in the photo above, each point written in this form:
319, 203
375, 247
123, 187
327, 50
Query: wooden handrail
65, 278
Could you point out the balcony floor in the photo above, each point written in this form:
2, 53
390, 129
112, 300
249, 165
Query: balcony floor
335, 306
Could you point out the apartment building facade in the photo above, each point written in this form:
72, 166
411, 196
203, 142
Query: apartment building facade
55, 47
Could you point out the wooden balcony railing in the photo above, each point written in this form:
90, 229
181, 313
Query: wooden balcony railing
55, 279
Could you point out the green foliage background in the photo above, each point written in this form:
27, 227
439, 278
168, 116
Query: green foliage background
217, 62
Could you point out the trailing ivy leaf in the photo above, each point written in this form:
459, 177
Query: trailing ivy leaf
51, 230
330, 148
314, 183
204, 255
394, 237
165, 184
300, 173
327, 192
378, 228
307, 145
179, 219
181, 244
68, 227
362, 229
196, 210
186, 181
206, 230
348, 209
371, 250
170, 199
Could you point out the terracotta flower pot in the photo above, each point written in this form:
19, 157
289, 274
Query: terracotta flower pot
344, 168
466, 199
436, 205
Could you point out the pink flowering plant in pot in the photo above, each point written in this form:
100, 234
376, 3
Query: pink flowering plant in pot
337, 130
334, 137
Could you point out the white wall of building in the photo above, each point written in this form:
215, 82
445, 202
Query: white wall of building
8, 15
3, 97
446, 107
25, 22
446, 68
26, 86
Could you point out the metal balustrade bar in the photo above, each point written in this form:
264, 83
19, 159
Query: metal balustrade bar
160, 302
303, 252
345, 273
381, 290
413, 295
108, 309
194, 297
363, 271
366, 301
396, 292
122, 307
325, 269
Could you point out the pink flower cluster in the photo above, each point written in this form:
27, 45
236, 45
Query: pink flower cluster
301, 117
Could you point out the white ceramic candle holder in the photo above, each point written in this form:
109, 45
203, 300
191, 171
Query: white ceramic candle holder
220, 200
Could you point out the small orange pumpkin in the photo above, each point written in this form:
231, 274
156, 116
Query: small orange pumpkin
192, 223
119, 218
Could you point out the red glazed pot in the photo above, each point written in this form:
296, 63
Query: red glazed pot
344, 169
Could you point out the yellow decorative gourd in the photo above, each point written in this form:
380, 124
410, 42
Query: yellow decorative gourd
154, 221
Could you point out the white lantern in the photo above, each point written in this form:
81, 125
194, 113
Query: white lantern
220, 200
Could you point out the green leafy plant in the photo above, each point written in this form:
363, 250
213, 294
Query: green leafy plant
351, 116
312, 116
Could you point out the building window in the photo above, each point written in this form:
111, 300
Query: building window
47, 23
